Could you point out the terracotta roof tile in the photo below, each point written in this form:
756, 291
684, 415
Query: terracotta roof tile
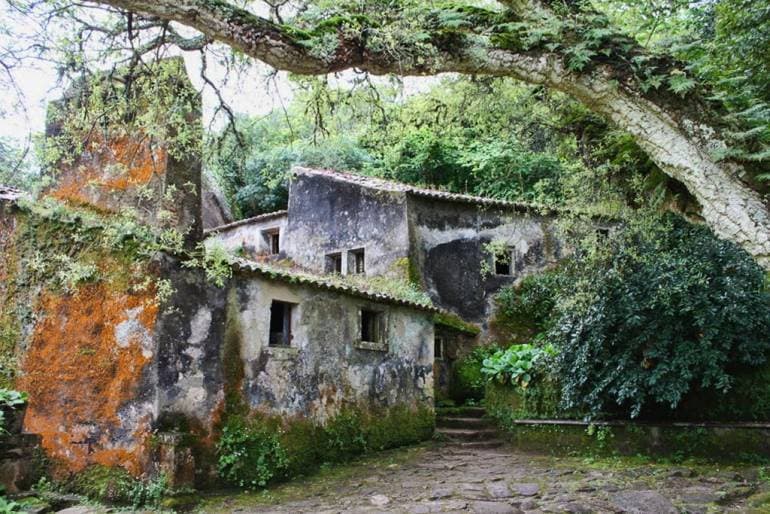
389, 185
246, 221
327, 283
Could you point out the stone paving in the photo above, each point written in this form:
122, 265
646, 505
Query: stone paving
452, 478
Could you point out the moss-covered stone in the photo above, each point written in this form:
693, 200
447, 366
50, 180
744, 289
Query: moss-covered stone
447, 319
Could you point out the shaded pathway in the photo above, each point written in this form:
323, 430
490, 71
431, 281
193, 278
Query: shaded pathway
450, 478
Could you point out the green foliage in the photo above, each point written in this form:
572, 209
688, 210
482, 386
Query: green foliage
250, 453
254, 451
215, 261
15, 167
345, 436
7, 505
116, 486
518, 364
155, 101
9, 400
524, 311
483, 136
450, 320
539, 400
659, 310
723, 45
399, 426
468, 381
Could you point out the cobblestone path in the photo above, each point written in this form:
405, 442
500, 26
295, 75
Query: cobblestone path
450, 478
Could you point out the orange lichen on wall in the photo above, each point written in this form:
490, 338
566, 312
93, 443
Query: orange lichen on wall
112, 166
83, 372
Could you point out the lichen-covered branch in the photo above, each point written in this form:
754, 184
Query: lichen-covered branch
529, 42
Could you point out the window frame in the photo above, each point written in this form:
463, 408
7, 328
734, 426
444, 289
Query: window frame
380, 329
287, 332
333, 263
270, 236
355, 257
509, 264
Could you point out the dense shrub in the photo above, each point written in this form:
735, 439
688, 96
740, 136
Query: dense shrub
524, 311
115, 485
541, 399
256, 450
250, 454
468, 381
658, 310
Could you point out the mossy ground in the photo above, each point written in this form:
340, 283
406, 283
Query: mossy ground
324, 483
443, 477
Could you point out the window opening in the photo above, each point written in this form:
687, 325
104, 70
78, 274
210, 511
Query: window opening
503, 262
273, 239
334, 263
371, 326
357, 262
280, 323
438, 348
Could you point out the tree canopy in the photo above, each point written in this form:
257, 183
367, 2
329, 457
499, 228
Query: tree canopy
687, 82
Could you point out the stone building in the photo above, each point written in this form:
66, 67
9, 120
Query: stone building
359, 295
459, 249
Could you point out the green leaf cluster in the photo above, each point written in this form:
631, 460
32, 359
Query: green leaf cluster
518, 364
658, 311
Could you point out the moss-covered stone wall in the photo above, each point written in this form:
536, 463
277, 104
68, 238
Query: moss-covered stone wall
77, 335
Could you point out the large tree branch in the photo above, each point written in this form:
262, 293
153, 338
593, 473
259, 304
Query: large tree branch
677, 139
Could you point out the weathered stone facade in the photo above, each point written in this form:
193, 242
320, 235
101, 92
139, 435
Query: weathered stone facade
344, 224
324, 367
106, 366
438, 240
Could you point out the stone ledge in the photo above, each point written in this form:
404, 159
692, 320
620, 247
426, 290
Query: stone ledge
367, 345
282, 352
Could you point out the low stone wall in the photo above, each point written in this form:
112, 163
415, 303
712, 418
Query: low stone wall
715, 441
532, 419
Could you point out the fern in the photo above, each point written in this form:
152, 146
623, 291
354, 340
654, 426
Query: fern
680, 83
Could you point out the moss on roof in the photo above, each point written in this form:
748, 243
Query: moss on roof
378, 289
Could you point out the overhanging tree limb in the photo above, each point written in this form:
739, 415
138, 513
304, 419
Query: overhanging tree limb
679, 136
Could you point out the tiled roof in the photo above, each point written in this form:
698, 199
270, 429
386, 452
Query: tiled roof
328, 283
246, 221
389, 185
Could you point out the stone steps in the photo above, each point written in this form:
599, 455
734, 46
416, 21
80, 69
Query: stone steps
466, 423
461, 434
467, 427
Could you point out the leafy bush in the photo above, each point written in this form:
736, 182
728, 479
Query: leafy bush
7, 505
254, 451
467, 380
659, 310
541, 399
516, 365
399, 426
116, 485
345, 436
250, 453
9, 399
524, 311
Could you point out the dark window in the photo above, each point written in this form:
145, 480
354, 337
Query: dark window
357, 262
438, 348
334, 263
280, 323
371, 326
503, 263
273, 240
